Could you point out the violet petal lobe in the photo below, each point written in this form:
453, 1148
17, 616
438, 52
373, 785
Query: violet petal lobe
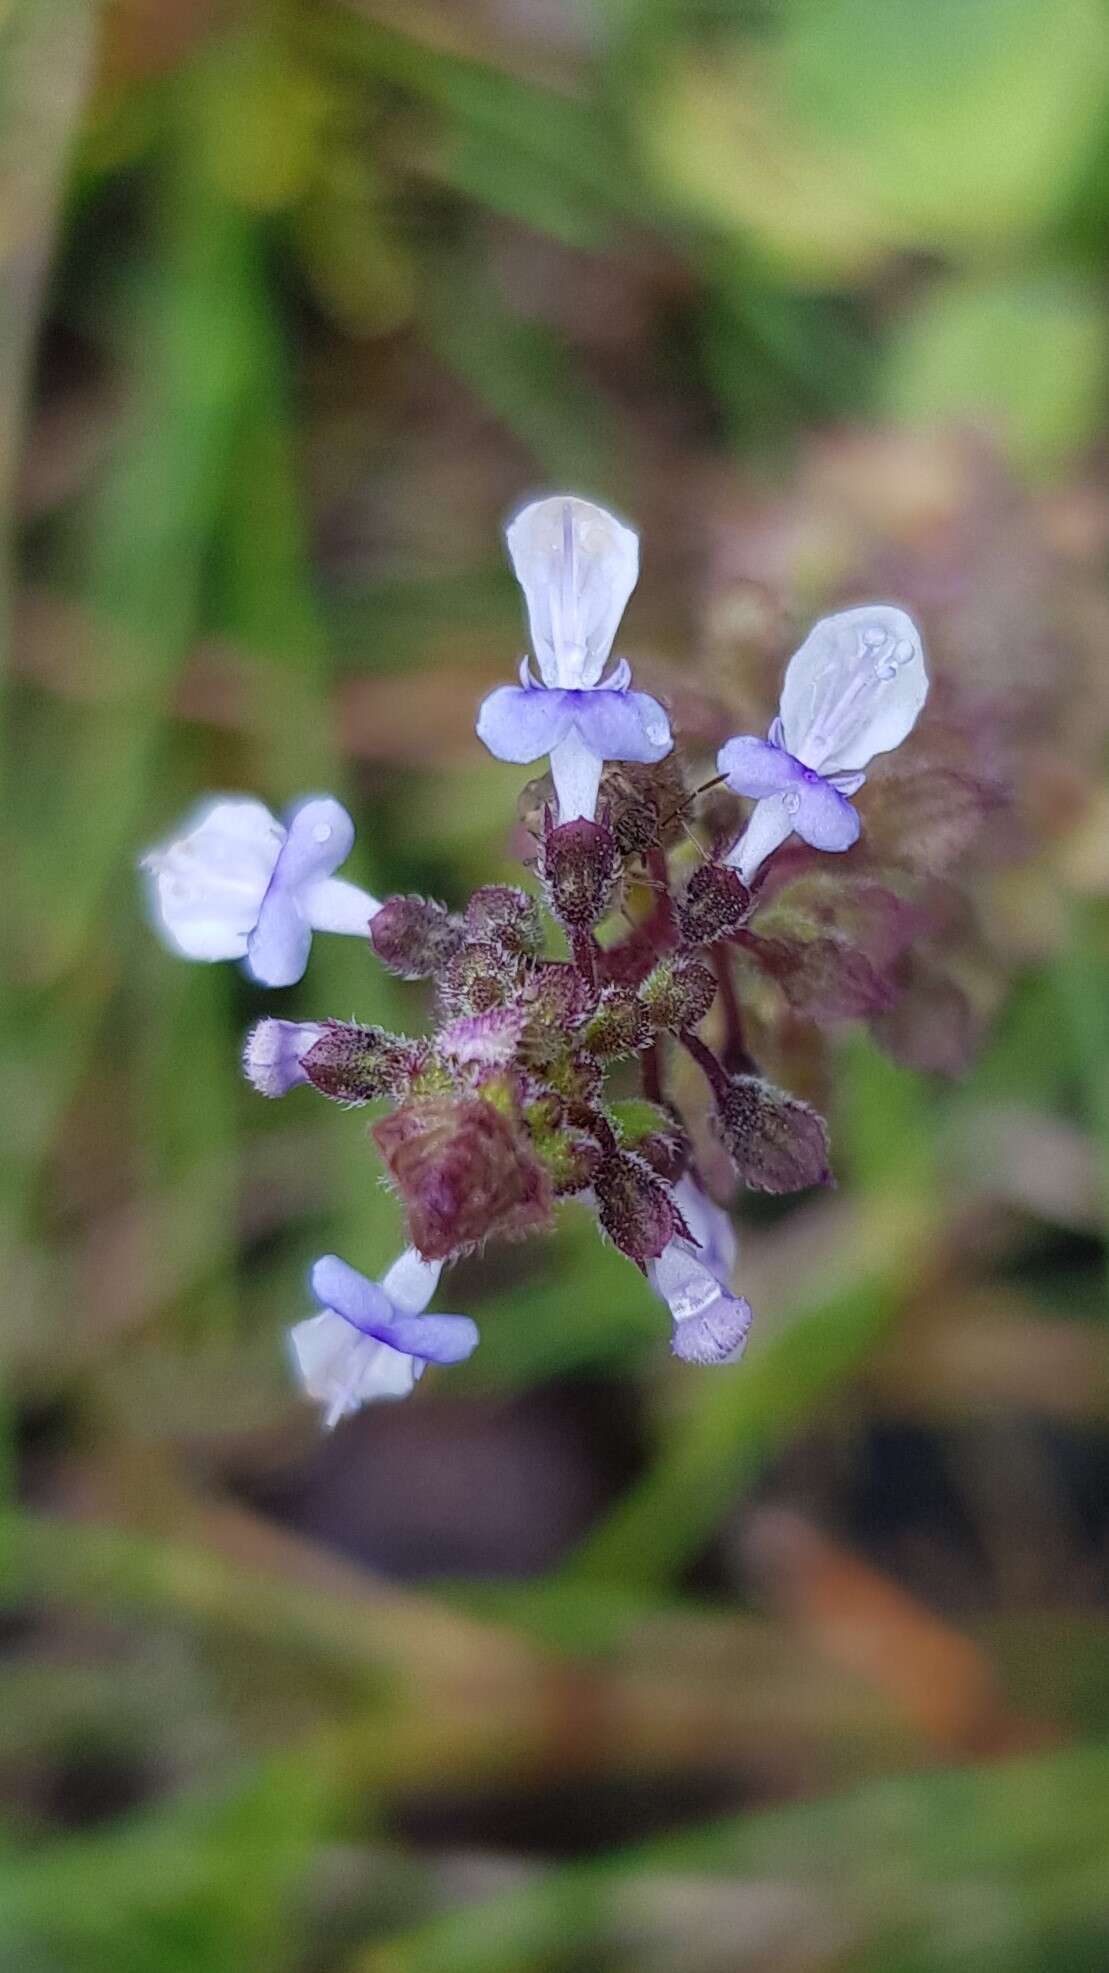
321, 836
521, 725
757, 767
622, 725
430, 1338
710, 1324
361, 1302
273, 1055
823, 818
278, 947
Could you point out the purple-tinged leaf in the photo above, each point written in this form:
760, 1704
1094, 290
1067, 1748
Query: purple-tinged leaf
824, 979
932, 1026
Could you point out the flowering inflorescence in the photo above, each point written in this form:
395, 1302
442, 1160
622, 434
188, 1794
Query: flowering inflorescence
510, 1104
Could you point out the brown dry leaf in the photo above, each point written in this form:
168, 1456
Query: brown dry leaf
938, 1679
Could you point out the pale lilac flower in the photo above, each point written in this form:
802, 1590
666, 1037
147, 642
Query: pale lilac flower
273, 1055
239, 884
372, 1339
852, 691
693, 1277
577, 565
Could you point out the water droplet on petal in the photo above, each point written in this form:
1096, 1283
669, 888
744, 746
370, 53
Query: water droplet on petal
791, 802
321, 832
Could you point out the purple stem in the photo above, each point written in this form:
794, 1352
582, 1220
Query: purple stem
584, 948
736, 1058
716, 1075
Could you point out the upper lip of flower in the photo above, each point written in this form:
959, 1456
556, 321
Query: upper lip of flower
577, 565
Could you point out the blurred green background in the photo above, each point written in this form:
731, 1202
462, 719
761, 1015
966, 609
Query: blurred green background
581, 1660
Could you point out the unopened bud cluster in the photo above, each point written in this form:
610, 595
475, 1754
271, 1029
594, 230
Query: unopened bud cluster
548, 1070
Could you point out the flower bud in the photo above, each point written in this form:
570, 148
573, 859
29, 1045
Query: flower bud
414, 936
465, 1173
635, 1208
354, 1065
555, 996
579, 867
714, 903
477, 978
571, 1074
778, 1144
678, 994
500, 914
620, 1025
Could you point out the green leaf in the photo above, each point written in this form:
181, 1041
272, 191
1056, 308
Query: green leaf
963, 120
866, 127
1027, 355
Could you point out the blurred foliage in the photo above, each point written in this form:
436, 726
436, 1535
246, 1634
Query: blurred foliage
295, 301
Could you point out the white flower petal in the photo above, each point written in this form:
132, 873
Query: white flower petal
713, 1231
335, 905
576, 772
854, 688
208, 884
411, 1282
710, 1324
343, 1370
771, 821
577, 565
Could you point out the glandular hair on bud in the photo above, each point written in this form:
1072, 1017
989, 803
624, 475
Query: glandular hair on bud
477, 978
635, 1208
678, 994
414, 936
715, 902
354, 1065
579, 867
619, 1026
655, 1134
465, 1172
502, 914
777, 1142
